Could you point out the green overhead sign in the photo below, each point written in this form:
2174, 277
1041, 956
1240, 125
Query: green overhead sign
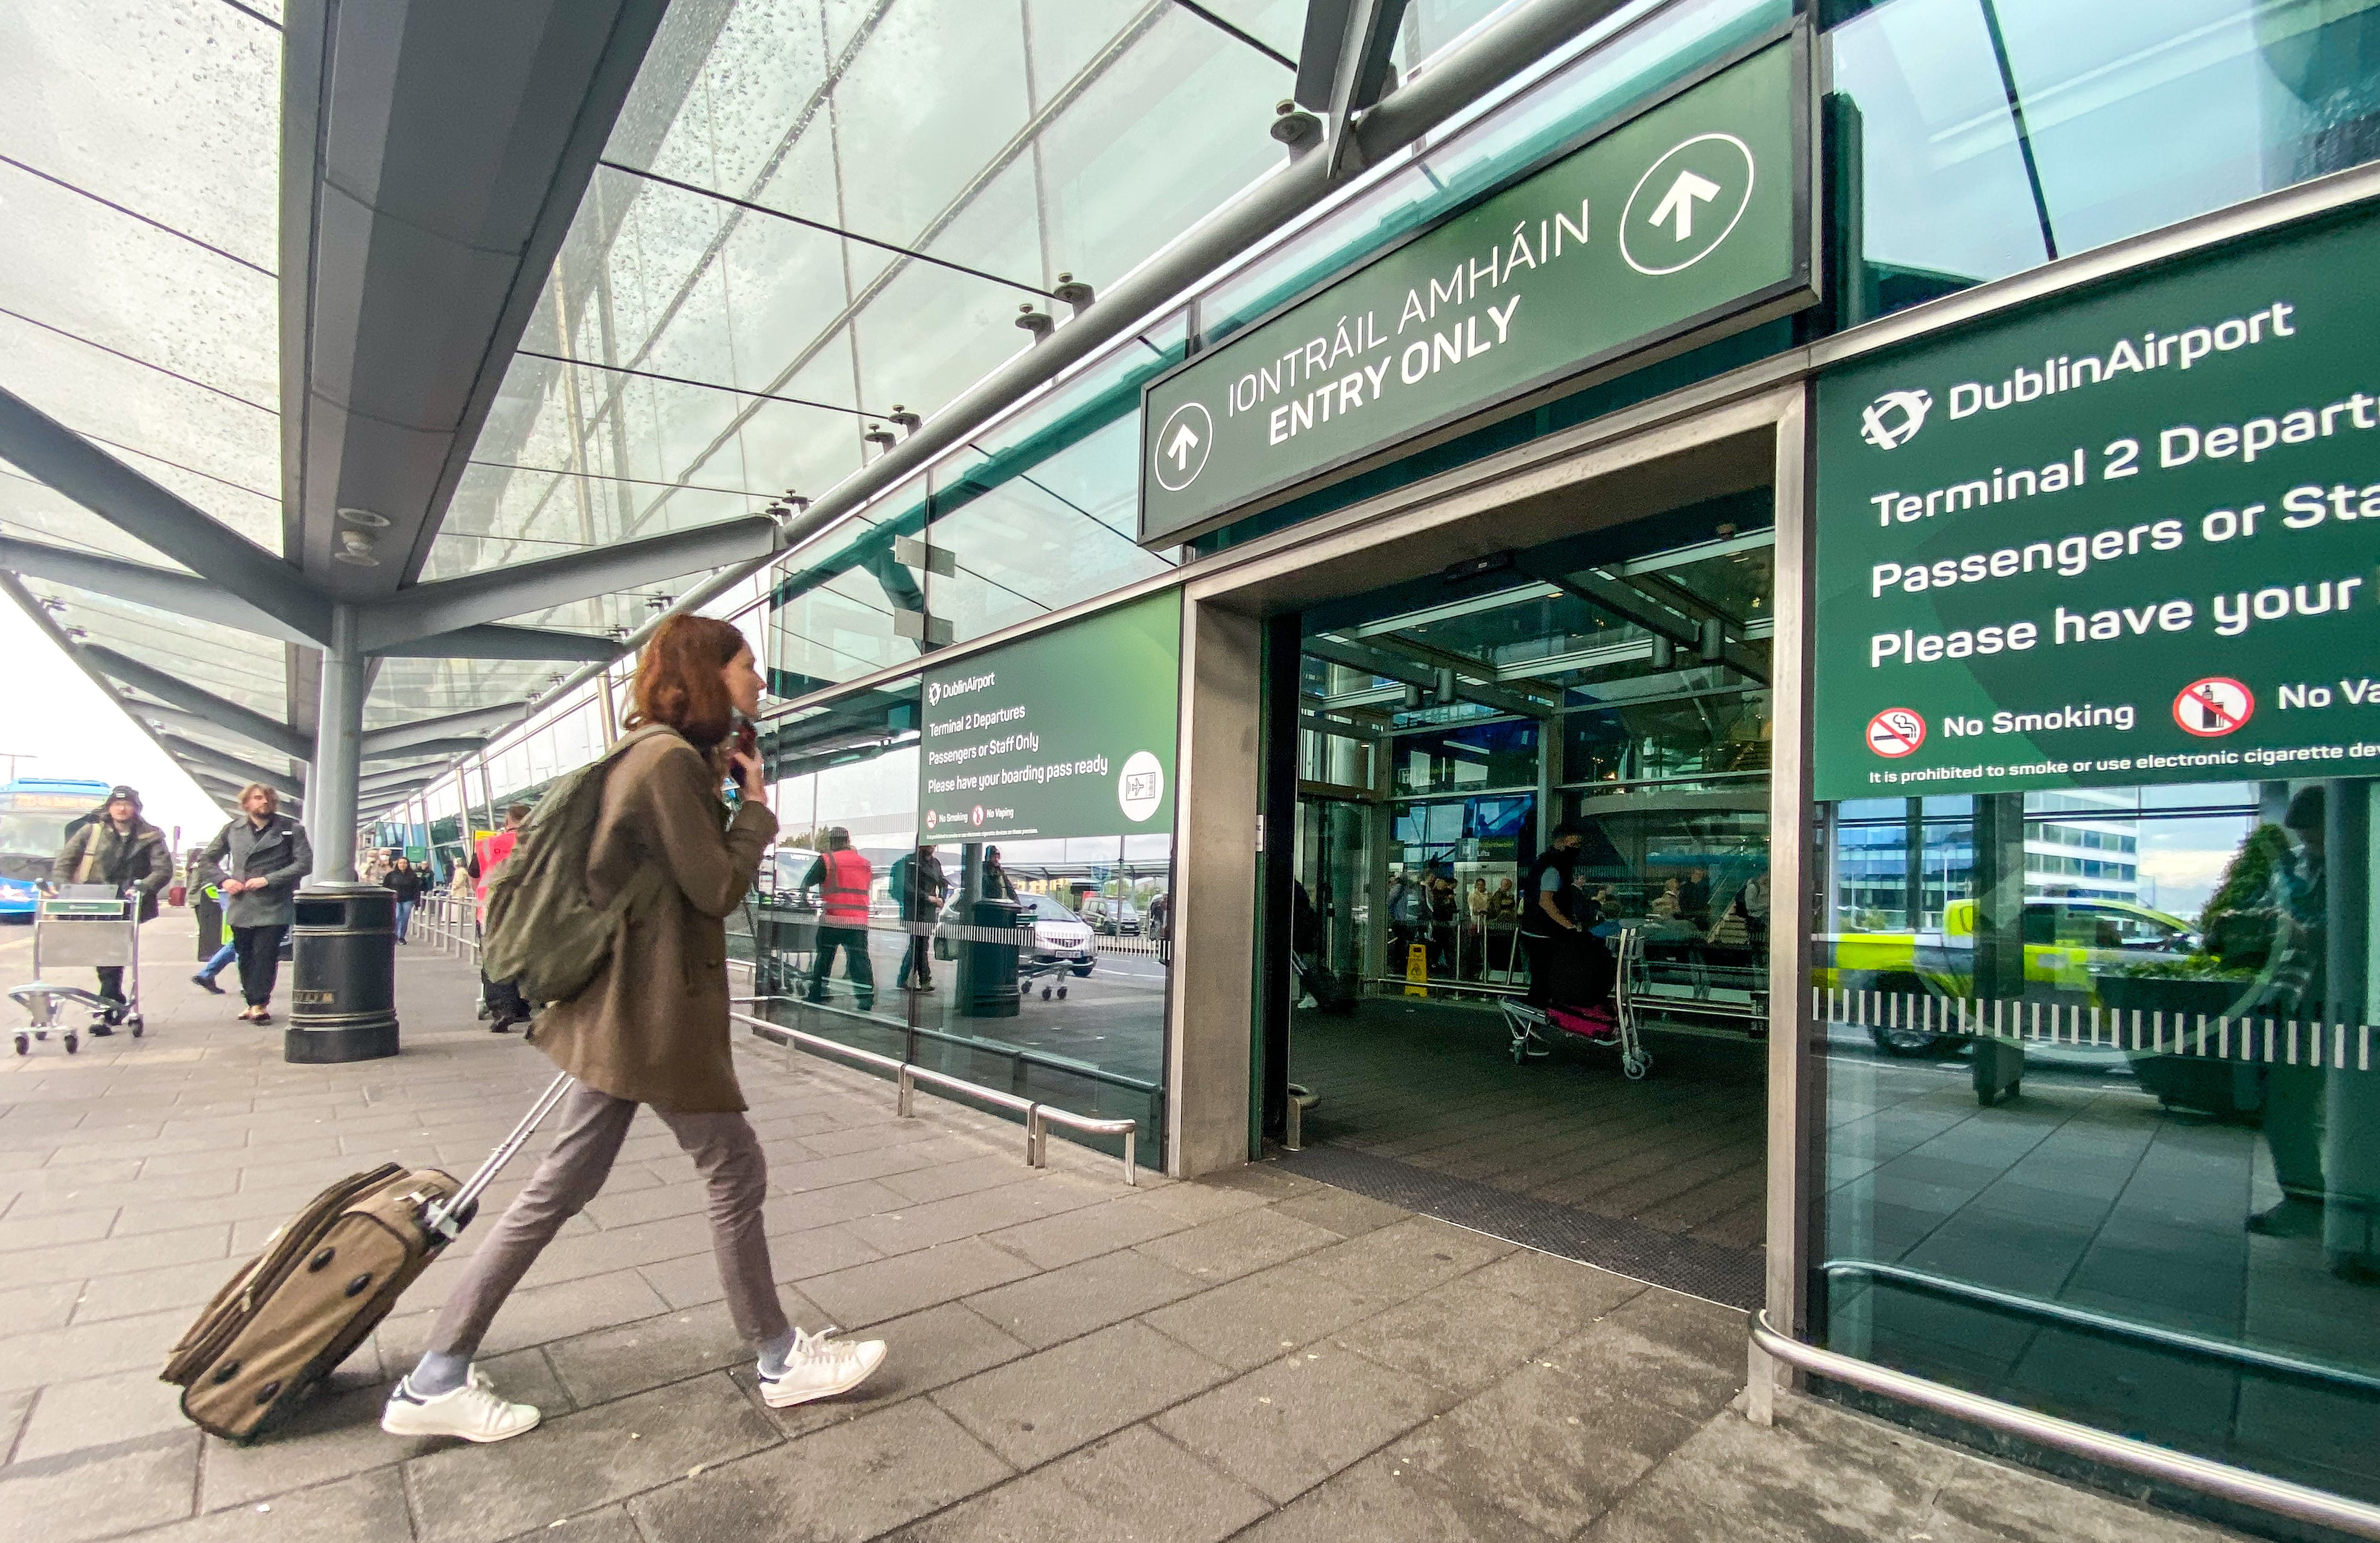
1690, 214
1067, 733
2126, 537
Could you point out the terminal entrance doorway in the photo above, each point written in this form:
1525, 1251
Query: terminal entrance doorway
1613, 687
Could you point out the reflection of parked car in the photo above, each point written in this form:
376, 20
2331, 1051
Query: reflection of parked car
2068, 944
1060, 937
1114, 918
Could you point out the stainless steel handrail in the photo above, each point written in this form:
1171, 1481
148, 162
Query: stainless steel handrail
2082, 1318
1038, 1116
2202, 1475
1292, 1133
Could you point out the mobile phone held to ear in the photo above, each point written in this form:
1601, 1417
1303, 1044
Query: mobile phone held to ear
748, 737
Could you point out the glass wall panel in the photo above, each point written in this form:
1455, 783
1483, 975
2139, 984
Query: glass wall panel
855, 609
1070, 1006
2101, 1111
844, 783
1038, 968
1023, 539
2125, 117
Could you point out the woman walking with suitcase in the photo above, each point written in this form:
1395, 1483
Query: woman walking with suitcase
651, 1028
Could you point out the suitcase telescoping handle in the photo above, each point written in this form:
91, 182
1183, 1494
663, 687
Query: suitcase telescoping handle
448, 1218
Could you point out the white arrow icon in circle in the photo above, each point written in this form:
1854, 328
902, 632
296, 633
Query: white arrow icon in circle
1179, 452
1678, 204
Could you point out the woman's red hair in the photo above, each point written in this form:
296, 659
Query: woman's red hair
678, 678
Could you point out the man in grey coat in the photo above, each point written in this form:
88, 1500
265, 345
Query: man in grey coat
262, 856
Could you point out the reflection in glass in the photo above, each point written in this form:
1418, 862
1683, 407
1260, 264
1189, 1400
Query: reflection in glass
2127, 118
1036, 967
2102, 1113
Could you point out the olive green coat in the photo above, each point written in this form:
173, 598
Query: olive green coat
652, 1024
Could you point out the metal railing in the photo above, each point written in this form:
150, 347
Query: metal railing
450, 924
1038, 1117
2245, 1356
2202, 1475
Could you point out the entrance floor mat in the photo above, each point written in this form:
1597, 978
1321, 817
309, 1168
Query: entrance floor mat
1711, 1270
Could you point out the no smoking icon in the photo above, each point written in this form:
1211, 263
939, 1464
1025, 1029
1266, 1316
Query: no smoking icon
1896, 732
2213, 706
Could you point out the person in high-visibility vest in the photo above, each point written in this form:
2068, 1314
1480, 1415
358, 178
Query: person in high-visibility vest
842, 878
505, 1003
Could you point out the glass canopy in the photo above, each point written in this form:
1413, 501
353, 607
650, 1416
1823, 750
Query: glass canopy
810, 217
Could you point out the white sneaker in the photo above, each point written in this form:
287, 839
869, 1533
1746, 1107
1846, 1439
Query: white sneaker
474, 1412
820, 1366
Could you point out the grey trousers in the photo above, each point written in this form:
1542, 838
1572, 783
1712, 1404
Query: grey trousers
593, 1124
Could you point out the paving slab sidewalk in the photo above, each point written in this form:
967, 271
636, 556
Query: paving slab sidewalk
1255, 1355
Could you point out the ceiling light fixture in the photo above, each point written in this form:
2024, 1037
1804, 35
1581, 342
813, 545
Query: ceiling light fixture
359, 533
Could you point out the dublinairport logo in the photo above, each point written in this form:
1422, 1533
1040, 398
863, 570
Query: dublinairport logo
1894, 418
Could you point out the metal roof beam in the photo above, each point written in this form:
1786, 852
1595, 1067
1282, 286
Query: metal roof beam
402, 780
440, 747
57, 456
228, 791
169, 717
1413, 672
490, 641
449, 604
193, 754
476, 721
143, 583
247, 723
1630, 603
1343, 68
432, 157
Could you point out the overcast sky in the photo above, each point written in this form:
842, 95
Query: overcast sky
60, 724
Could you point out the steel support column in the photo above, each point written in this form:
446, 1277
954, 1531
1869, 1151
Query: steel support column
338, 752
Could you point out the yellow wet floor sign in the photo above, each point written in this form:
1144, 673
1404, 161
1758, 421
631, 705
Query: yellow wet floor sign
1416, 970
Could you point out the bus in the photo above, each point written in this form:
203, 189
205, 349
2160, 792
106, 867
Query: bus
35, 814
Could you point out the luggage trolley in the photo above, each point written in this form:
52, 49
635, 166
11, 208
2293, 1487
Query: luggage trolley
1608, 1026
83, 926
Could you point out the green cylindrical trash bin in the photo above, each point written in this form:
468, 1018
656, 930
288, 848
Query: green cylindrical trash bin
988, 958
343, 1000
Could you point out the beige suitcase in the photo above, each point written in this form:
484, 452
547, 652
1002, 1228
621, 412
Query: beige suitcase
323, 1284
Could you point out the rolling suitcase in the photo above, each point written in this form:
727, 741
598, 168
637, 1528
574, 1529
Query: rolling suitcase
323, 1284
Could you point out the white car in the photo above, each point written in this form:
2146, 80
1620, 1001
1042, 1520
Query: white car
1060, 937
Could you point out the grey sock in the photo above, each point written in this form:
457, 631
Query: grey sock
774, 1354
439, 1374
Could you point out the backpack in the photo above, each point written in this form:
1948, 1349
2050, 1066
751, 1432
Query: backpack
543, 933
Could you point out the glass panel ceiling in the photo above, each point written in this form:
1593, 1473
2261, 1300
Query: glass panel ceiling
822, 212
140, 191
238, 666
410, 688
813, 213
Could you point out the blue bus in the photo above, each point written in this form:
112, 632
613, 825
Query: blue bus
35, 814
